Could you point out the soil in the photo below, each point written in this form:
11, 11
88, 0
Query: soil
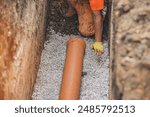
59, 22
132, 49
68, 26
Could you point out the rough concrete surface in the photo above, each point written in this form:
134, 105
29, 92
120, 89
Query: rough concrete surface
131, 31
94, 85
22, 28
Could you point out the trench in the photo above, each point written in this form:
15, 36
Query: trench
122, 72
95, 78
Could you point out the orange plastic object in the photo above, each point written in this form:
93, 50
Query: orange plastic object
96, 4
70, 87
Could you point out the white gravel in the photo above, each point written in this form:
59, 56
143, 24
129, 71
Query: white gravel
94, 85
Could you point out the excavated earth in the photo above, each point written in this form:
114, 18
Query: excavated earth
132, 49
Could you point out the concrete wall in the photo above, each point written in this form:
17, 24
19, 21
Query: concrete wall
22, 28
130, 49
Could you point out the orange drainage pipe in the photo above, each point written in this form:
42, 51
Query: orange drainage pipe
70, 87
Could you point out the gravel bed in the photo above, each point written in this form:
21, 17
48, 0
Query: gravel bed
95, 83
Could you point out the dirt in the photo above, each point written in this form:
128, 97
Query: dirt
132, 49
69, 26
59, 22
